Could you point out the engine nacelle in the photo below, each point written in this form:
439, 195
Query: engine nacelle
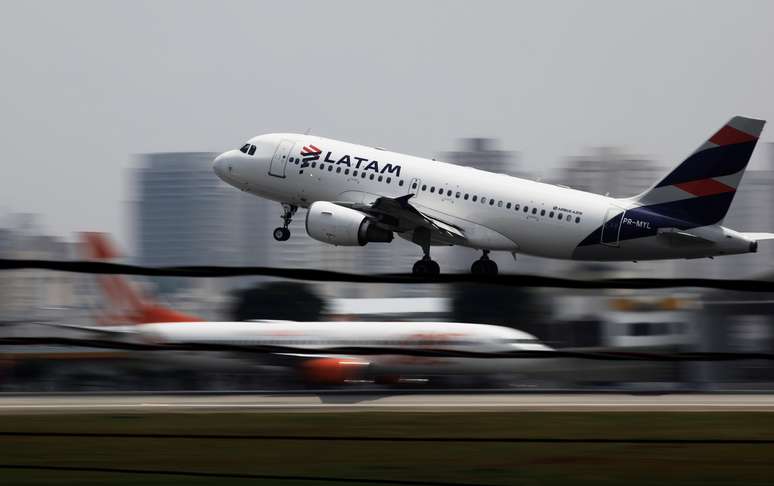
337, 225
333, 371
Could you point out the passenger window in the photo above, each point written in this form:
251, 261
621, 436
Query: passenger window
354, 173
363, 175
322, 166
380, 178
252, 150
526, 208
516, 207
551, 214
483, 200
466, 196
474, 198
330, 168
432, 188
400, 182
346, 171
499, 204
508, 206
491, 202
542, 212
338, 170
577, 219
413, 186
457, 195
389, 179
534, 210
448, 193
424, 187
314, 164
559, 216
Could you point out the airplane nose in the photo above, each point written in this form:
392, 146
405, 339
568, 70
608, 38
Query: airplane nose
219, 165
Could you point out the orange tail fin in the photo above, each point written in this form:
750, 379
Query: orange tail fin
125, 304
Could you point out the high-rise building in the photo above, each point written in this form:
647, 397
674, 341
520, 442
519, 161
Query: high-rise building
610, 171
484, 154
184, 215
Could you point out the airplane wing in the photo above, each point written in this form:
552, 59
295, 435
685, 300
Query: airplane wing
398, 214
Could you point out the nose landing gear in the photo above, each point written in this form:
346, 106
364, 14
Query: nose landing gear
283, 233
484, 266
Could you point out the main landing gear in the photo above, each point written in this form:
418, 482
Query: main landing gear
283, 233
484, 266
426, 266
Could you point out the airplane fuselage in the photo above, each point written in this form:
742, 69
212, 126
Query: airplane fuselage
321, 336
494, 211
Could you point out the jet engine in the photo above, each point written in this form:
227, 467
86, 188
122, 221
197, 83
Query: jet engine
337, 225
333, 371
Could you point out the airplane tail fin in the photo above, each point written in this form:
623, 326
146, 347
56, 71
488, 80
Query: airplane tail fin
701, 188
125, 304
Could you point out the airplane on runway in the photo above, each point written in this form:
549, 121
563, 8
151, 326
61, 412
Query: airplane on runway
357, 195
133, 316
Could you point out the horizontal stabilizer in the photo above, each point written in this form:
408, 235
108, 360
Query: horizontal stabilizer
759, 236
680, 236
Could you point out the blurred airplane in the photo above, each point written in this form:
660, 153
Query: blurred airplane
135, 317
357, 195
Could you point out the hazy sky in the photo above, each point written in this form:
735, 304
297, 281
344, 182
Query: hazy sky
87, 84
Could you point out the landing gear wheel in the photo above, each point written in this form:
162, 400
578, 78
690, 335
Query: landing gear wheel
426, 266
477, 268
281, 234
484, 266
490, 267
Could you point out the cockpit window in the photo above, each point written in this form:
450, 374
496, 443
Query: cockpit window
244, 148
252, 150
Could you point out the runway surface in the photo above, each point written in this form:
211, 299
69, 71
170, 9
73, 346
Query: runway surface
382, 402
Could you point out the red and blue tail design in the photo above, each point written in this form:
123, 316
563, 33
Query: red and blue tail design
700, 190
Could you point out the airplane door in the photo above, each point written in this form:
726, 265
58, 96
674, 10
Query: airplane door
280, 159
414, 186
611, 228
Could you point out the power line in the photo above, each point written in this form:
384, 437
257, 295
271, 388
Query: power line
511, 280
384, 350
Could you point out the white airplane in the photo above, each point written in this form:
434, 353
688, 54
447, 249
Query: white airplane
357, 195
132, 316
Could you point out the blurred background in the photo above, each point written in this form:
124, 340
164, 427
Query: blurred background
113, 112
